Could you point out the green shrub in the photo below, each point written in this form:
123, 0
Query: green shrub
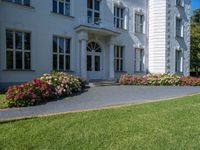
63, 83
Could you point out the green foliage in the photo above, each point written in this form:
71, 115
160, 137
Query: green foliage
195, 41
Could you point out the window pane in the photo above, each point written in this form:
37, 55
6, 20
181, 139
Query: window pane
67, 46
90, 4
61, 62
27, 2
121, 65
118, 69
55, 44
67, 62
118, 23
61, 7
96, 5
18, 1
9, 39
117, 12
55, 6
97, 63
121, 52
9, 59
54, 62
18, 60
89, 16
67, 9
96, 18
27, 41
27, 60
61, 45
122, 13
18, 40
89, 63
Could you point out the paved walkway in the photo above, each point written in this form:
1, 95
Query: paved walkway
99, 97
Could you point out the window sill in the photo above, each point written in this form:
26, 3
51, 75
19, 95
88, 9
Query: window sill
18, 70
61, 15
139, 33
20, 5
179, 37
121, 29
120, 72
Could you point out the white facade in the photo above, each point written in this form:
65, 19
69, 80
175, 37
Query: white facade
101, 48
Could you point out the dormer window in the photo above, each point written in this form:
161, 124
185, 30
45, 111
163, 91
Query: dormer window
119, 17
93, 11
61, 7
20, 2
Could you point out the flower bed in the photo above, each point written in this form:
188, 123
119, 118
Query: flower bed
64, 84
28, 94
48, 87
159, 80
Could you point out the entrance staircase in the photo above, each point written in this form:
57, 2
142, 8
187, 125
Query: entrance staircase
97, 83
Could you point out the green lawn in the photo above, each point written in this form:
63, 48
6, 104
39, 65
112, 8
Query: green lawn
171, 124
2, 101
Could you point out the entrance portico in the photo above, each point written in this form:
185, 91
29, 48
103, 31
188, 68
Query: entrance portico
95, 45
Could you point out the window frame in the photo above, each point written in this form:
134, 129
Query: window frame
93, 11
141, 60
119, 60
139, 26
65, 2
58, 53
21, 3
120, 18
179, 27
14, 50
178, 62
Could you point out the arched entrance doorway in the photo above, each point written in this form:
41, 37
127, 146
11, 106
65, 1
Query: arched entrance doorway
94, 61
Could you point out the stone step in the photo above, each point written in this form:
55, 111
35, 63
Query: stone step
102, 83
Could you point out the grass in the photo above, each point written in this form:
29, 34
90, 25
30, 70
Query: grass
171, 124
2, 101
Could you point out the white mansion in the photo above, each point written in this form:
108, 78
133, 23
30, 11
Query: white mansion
94, 39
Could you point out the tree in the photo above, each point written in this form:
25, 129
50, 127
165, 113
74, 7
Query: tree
195, 41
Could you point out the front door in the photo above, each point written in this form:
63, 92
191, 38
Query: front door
94, 61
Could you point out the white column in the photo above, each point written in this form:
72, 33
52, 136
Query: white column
111, 62
83, 59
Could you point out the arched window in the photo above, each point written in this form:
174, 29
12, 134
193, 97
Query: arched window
93, 46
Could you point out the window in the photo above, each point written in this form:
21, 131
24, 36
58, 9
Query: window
139, 23
179, 27
61, 7
61, 53
178, 65
118, 17
21, 2
93, 11
118, 54
139, 60
18, 50
180, 3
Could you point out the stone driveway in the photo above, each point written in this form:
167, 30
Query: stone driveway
100, 97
